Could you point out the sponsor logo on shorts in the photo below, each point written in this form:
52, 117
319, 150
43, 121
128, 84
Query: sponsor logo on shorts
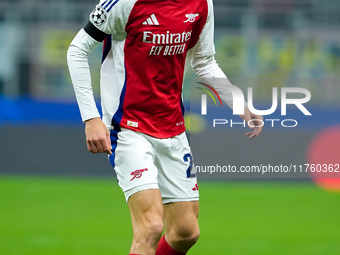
195, 188
138, 173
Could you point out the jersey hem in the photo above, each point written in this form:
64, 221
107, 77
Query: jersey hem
156, 134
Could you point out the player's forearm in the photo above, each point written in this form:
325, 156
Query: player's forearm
208, 70
79, 69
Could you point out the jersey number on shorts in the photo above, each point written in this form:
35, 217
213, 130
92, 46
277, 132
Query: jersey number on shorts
188, 158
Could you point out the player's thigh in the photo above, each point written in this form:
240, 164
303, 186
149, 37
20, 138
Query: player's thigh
181, 219
133, 161
146, 209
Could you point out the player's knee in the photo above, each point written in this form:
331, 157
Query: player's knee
148, 235
155, 229
195, 236
190, 238
152, 230
186, 235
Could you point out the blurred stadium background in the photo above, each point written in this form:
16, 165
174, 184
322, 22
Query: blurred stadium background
56, 198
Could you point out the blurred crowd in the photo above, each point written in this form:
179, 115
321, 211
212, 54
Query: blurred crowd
35, 35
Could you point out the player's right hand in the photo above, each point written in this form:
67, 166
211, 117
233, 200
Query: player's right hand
97, 136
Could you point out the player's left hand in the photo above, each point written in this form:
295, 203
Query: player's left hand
254, 122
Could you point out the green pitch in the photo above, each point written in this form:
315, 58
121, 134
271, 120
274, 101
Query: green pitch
70, 216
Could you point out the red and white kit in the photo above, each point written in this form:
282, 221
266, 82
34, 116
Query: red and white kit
148, 46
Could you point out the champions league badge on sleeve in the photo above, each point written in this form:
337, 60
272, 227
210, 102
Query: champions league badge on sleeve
98, 15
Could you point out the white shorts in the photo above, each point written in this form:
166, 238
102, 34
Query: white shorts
142, 162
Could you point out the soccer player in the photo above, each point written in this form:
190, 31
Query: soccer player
147, 47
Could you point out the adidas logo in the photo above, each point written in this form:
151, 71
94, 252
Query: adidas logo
152, 20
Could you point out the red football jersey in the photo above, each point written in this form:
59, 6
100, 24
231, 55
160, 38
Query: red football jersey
144, 60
